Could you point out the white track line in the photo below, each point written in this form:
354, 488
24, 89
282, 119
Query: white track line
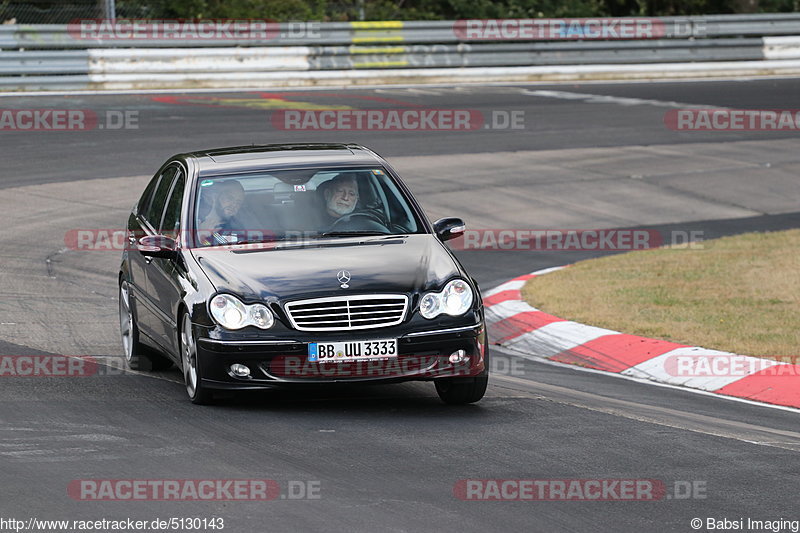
570, 83
619, 100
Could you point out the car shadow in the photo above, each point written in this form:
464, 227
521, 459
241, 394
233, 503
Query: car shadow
382, 398
391, 398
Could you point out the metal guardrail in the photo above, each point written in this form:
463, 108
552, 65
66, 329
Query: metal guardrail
748, 25
344, 58
55, 56
518, 54
386, 32
61, 62
283, 34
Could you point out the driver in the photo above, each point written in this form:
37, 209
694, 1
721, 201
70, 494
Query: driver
341, 197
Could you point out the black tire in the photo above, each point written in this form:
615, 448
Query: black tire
137, 355
198, 393
460, 391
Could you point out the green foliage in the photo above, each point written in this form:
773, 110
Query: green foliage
445, 9
522, 8
241, 9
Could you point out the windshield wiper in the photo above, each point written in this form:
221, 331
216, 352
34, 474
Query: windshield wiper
256, 241
353, 233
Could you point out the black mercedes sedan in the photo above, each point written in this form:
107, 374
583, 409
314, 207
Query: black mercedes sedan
277, 265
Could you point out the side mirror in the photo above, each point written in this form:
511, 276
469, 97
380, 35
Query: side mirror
158, 246
449, 228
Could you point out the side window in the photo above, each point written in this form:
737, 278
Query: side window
147, 195
170, 225
401, 213
153, 211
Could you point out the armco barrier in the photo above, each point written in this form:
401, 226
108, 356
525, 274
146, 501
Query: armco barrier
385, 32
56, 57
781, 47
178, 61
524, 54
44, 62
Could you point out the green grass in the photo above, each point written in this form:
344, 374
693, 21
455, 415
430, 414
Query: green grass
739, 294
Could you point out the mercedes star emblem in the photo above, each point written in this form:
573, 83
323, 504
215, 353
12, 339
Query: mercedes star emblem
343, 276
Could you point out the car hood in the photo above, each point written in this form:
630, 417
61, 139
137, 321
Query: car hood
396, 264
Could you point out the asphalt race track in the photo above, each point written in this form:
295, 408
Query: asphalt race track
388, 458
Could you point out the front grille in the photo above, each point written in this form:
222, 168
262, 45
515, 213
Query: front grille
350, 312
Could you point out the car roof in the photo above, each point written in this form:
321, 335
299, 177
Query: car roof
252, 158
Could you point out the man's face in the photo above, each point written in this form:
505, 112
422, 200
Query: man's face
342, 198
230, 201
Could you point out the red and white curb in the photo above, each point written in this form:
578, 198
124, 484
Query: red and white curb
523, 329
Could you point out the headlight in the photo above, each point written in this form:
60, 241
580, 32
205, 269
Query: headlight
231, 313
430, 305
260, 316
457, 297
454, 300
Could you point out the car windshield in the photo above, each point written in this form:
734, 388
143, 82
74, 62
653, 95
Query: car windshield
300, 204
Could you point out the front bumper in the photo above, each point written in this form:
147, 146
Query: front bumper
422, 355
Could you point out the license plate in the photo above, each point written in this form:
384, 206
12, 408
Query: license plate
323, 352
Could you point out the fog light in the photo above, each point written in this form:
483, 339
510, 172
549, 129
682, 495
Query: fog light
459, 356
241, 371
